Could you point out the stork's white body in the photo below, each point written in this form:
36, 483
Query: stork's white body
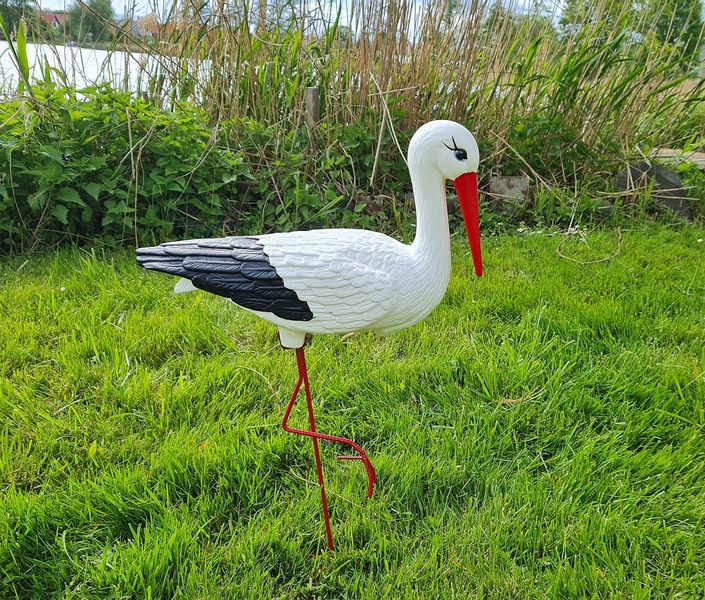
353, 279
356, 280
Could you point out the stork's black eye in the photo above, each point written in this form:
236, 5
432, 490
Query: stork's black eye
460, 153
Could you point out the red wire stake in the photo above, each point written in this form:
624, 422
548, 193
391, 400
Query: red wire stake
315, 436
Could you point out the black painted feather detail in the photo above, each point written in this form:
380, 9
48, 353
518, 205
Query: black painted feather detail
234, 267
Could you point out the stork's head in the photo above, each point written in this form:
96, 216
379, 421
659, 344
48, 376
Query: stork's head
451, 149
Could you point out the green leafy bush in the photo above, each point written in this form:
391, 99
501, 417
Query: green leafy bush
111, 166
108, 165
543, 144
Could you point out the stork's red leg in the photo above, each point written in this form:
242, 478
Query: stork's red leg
315, 436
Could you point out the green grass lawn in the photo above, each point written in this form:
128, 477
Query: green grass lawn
541, 434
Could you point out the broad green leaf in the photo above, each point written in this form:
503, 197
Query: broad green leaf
36, 200
230, 177
93, 189
61, 213
22, 51
87, 214
176, 185
69, 194
52, 152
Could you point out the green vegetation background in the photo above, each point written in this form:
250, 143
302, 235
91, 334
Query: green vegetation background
117, 169
568, 104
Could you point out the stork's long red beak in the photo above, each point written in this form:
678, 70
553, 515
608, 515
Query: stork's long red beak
466, 187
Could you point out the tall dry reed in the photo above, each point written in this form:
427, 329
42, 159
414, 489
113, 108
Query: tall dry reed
491, 66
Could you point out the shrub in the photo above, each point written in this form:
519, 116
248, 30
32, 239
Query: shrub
105, 164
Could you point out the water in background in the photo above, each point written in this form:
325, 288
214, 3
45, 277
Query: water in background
81, 67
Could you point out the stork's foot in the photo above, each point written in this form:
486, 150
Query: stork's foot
361, 456
371, 475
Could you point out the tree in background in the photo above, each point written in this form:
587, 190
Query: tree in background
501, 23
578, 14
92, 23
12, 11
450, 11
677, 23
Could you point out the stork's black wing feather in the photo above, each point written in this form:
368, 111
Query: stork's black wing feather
234, 267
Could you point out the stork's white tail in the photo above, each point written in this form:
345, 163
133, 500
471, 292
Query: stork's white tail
184, 285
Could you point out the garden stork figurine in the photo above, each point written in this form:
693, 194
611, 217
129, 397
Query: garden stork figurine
342, 280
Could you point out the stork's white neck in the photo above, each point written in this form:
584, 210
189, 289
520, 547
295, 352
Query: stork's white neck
432, 235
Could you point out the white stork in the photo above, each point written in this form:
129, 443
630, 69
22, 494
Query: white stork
342, 280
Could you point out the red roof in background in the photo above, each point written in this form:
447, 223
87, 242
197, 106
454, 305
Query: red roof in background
57, 19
